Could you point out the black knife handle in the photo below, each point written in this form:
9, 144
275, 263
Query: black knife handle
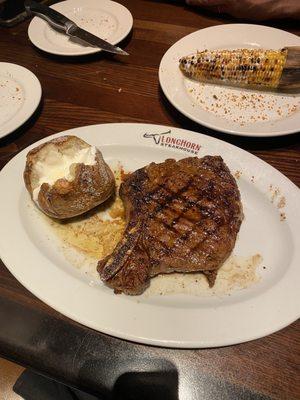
53, 17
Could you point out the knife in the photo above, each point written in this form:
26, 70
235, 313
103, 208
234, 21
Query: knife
64, 24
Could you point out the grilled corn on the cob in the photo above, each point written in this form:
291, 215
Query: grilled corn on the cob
242, 67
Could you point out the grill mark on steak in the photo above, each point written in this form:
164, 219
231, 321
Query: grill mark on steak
178, 195
188, 204
166, 225
171, 196
166, 204
182, 216
167, 250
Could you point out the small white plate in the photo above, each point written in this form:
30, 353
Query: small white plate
107, 19
233, 110
20, 94
271, 205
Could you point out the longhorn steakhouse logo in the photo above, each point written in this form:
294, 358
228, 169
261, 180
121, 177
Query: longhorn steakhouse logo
166, 140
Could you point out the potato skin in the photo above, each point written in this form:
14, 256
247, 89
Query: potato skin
92, 185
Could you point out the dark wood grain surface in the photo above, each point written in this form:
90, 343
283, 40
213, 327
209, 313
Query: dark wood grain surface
83, 91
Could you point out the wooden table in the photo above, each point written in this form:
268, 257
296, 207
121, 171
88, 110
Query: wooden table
83, 91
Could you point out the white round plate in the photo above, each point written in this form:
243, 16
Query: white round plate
20, 94
174, 320
232, 110
107, 19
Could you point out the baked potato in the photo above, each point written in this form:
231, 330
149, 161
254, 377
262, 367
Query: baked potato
67, 177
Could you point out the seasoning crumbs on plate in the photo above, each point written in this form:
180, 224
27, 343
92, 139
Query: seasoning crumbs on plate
241, 106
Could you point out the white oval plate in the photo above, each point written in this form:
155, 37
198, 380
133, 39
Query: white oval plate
177, 320
20, 94
107, 19
231, 110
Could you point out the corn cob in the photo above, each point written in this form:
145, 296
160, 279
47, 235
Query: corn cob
242, 67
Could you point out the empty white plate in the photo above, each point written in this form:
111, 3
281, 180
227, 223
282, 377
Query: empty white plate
233, 110
106, 19
20, 94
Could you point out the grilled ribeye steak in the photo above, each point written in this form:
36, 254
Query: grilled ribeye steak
182, 216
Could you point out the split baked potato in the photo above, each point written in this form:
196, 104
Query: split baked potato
67, 177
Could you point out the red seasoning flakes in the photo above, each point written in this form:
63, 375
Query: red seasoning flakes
277, 199
282, 216
11, 96
281, 202
275, 192
123, 174
237, 174
241, 106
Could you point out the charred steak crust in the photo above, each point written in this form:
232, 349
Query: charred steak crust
182, 216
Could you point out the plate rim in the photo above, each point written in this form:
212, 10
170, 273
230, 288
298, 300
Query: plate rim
35, 24
209, 125
132, 337
31, 103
